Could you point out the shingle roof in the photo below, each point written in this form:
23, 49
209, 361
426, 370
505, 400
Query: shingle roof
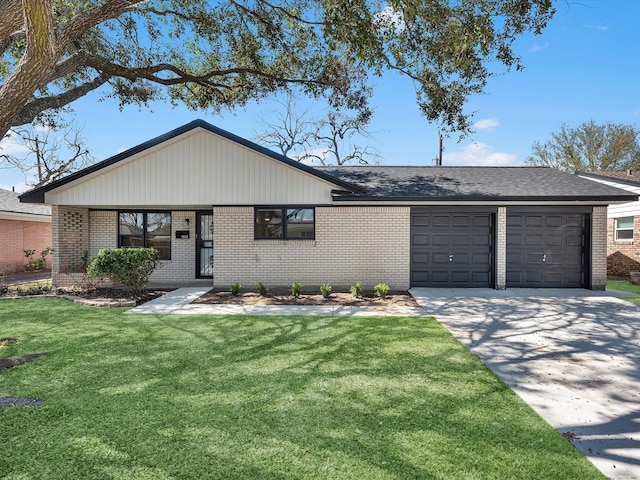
628, 177
475, 183
10, 202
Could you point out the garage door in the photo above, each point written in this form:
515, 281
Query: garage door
451, 249
546, 249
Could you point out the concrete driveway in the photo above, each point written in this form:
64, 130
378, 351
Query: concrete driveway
572, 355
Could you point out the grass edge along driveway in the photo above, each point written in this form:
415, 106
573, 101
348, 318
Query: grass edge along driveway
237, 397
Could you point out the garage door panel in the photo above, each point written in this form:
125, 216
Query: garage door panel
458, 251
546, 249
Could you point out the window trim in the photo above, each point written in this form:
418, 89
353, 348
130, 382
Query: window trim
145, 239
616, 229
285, 223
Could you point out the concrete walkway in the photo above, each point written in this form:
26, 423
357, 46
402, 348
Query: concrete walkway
572, 355
179, 301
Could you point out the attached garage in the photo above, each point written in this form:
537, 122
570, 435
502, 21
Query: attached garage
452, 247
547, 248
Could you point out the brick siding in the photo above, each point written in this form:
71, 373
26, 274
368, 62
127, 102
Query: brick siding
368, 244
16, 236
623, 257
599, 248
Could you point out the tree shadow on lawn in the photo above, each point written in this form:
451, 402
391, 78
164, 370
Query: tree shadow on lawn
285, 397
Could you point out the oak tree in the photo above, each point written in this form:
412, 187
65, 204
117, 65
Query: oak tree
213, 54
589, 147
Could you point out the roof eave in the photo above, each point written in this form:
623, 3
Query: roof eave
485, 198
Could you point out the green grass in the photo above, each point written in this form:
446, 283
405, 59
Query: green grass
273, 397
625, 287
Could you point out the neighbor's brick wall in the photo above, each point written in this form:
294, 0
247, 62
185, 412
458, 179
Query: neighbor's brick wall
16, 236
370, 244
599, 248
623, 257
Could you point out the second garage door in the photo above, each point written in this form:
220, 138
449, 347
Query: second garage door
451, 249
546, 249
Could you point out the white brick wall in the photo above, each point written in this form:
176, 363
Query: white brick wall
370, 244
599, 248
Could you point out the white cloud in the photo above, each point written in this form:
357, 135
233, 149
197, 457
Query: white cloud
479, 154
601, 28
536, 47
9, 146
486, 124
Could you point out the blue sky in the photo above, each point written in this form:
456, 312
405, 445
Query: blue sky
584, 66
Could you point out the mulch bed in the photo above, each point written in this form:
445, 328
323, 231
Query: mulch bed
107, 296
282, 296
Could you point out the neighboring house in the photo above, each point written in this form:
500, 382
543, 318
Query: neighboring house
22, 227
623, 227
222, 210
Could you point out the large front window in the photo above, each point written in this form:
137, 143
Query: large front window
146, 229
624, 228
284, 223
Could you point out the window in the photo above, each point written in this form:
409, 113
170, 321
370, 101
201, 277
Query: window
284, 224
624, 228
146, 229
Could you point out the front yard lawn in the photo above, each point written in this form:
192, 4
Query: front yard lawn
625, 287
247, 397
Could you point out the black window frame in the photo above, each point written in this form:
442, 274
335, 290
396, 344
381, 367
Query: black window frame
285, 223
145, 223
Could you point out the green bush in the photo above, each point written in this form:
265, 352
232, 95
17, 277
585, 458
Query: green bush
262, 289
381, 290
131, 267
296, 287
356, 290
325, 290
235, 288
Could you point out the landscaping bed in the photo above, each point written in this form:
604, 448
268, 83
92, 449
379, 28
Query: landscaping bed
283, 296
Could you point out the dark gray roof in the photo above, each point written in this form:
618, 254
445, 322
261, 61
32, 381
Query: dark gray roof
10, 202
472, 183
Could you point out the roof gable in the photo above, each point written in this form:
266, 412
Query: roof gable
173, 154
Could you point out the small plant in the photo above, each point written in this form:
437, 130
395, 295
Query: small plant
235, 288
381, 290
262, 289
356, 290
41, 262
325, 290
296, 287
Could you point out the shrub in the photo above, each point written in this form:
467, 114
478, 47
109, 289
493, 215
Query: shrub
325, 290
235, 288
41, 262
296, 287
131, 267
262, 289
356, 290
381, 290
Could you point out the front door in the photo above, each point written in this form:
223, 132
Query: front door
204, 245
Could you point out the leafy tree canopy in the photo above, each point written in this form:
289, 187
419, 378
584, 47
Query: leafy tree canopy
589, 147
212, 54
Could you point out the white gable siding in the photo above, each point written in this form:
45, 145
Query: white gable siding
198, 168
628, 209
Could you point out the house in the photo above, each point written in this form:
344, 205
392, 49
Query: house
221, 209
22, 227
623, 225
